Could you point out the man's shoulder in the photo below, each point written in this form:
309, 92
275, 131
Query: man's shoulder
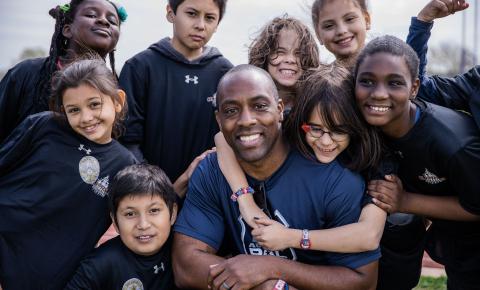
207, 169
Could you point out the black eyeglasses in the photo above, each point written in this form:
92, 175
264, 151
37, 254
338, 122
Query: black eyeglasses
260, 197
316, 131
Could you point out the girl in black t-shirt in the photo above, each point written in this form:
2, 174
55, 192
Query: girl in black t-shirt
55, 170
82, 27
439, 157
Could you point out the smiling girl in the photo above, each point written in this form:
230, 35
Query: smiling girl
286, 49
82, 27
55, 170
438, 152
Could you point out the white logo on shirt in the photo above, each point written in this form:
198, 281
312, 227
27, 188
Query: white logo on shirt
157, 269
133, 284
82, 148
101, 186
213, 100
89, 169
194, 79
431, 178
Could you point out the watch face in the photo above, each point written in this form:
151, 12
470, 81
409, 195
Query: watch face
305, 244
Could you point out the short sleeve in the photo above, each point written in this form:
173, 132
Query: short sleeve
344, 203
201, 216
87, 276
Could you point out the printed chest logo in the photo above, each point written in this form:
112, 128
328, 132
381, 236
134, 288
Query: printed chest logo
133, 284
431, 178
89, 169
251, 247
156, 268
213, 100
193, 79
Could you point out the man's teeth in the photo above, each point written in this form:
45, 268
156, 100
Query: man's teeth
249, 138
379, 109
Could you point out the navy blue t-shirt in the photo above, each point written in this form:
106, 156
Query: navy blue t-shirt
53, 200
113, 266
301, 194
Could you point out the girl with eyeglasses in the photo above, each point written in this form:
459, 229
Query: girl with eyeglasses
325, 125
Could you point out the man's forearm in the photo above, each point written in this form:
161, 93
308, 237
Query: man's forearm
191, 264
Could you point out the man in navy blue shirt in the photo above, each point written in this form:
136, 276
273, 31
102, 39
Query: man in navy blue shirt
295, 191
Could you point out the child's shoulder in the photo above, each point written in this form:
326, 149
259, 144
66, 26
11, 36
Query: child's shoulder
28, 66
109, 252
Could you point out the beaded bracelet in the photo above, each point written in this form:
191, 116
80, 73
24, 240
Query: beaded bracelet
280, 285
243, 190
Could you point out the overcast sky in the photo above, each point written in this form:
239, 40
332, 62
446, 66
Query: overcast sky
26, 23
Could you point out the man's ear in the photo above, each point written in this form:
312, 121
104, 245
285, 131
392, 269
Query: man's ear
67, 31
217, 117
170, 14
114, 223
121, 97
174, 214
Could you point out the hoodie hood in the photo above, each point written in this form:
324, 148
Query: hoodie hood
165, 47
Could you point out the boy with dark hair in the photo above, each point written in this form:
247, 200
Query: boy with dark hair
143, 208
171, 87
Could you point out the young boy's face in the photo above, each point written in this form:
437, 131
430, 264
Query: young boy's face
194, 23
144, 223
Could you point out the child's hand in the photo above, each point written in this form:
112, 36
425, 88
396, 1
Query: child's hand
271, 234
250, 210
181, 184
388, 194
441, 8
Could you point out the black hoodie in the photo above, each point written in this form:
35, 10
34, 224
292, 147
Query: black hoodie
170, 111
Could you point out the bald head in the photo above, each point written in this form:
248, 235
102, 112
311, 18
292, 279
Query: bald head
245, 73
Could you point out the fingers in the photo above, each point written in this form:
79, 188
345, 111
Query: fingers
381, 185
215, 270
263, 221
459, 5
385, 206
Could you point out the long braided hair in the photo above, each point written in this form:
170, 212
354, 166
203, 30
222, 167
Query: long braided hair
63, 15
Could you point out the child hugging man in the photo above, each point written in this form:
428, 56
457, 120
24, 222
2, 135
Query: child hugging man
143, 209
171, 87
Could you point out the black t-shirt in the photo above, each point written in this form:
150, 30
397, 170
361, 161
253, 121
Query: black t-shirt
53, 200
440, 156
21, 94
114, 266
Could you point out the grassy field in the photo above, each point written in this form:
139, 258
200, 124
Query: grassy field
430, 283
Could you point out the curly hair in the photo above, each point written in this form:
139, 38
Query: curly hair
265, 45
330, 92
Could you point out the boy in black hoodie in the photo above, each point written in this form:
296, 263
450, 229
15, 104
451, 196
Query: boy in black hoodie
171, 87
